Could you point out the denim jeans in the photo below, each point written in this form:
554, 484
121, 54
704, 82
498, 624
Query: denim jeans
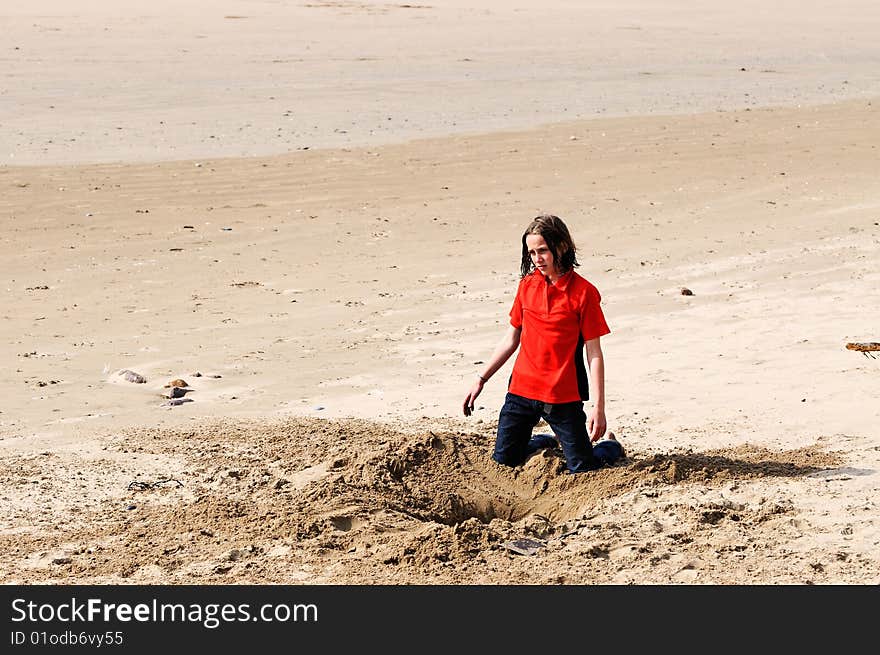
569, 423
606, 452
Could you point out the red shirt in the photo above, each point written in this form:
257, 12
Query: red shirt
556, 321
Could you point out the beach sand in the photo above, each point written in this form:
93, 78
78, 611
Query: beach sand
329, 297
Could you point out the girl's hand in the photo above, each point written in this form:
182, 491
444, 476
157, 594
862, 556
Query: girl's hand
475, 390
597, 424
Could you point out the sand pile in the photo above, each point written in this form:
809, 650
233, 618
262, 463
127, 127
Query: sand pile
353, 501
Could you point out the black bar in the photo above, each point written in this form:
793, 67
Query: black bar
458, 618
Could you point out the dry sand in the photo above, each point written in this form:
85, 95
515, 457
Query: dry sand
338, 301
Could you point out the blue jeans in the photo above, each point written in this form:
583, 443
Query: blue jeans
569, 423
606, 452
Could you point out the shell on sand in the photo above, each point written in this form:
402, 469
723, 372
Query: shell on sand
177, 383
131, 376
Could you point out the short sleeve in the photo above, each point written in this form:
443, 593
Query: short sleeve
516, 311
593, 323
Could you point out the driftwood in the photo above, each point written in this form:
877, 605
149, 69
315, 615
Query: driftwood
867, 349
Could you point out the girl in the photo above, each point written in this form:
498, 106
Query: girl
555, 314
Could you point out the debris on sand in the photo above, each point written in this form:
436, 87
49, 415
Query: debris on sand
524, 546
173, 402
131, 376
141, 485
177, 382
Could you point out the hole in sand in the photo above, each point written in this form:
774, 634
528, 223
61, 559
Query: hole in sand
450, 478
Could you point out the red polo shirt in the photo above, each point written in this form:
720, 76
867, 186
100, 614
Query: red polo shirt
556, 320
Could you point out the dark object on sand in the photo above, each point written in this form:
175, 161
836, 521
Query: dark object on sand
139, 485
524, 546
686, 292
177, 392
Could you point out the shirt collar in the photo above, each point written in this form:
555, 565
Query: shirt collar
563, 280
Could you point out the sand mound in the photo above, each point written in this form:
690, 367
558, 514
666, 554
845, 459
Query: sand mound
355, 501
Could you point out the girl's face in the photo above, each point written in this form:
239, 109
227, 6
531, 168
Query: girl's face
542, 256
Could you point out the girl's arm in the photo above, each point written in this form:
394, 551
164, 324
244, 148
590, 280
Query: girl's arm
505, 348
597, 422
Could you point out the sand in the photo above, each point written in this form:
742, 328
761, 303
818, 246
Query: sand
329, 307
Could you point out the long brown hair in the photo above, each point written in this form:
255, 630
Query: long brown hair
558, 239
